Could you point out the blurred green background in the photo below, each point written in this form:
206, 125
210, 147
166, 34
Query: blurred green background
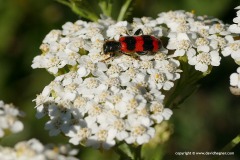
205, 122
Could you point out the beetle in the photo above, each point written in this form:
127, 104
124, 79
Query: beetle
129, 45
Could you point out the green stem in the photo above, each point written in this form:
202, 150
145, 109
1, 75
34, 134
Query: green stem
84, 13
64, 2
124, 151
137, 152
235, 141
81, 11
128, 151
123, 10
122, 154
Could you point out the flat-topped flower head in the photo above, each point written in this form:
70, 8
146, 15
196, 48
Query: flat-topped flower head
233, 49
203, 59
33, 149
235, 28
99, 99
9, 119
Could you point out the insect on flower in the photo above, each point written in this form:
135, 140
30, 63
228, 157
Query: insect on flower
129, 45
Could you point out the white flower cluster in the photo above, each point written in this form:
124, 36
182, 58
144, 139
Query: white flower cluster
121, 101
235, 28
98, 101
233, 43
33, 149
233, 49
235, 82
9, 121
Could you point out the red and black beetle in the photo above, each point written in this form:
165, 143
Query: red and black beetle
140, 44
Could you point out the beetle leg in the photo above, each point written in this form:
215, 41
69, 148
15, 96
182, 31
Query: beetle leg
138, 32
111, 55
142, 53
135, 56
127, 54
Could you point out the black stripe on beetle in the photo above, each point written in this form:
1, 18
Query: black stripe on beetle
131, 43
148, 43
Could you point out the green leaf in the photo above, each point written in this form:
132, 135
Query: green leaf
150, 153
106, 7
82, 8
124, 10
124, 152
